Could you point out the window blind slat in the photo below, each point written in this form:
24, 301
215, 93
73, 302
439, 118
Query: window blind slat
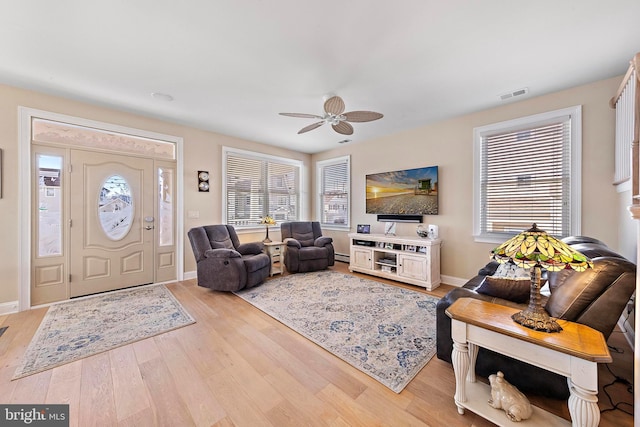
334, 192
259, 186
525, 179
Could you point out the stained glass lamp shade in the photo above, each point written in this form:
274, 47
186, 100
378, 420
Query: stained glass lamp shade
267, 221
534, 249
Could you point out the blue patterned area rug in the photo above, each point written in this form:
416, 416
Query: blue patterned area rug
385, 331
79, 328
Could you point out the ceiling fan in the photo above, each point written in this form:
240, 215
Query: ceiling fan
334, 114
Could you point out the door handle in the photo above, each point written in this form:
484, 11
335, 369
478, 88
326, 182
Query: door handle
149, 227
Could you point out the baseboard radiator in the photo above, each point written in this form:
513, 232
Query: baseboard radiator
342, 258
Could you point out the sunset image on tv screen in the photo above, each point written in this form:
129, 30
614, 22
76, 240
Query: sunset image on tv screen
405, 192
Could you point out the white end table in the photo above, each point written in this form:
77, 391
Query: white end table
275, 250
574, 353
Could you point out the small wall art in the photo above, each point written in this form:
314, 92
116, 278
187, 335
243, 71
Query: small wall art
203, 181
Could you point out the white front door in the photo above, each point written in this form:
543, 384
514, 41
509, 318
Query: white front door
112, 222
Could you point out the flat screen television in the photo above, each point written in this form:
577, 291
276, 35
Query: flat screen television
404, 192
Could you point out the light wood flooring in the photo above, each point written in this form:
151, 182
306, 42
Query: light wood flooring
239, 367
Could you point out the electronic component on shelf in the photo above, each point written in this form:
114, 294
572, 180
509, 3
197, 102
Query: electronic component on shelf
363, 242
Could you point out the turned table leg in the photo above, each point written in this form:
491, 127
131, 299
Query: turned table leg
460, 360
583, 406
473, 355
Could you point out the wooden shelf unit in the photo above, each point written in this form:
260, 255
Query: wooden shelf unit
402, 258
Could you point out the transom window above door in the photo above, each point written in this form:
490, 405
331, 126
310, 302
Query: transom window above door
49, 131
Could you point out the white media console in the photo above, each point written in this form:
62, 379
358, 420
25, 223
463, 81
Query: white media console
406, 259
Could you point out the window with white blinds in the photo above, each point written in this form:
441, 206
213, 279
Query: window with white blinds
256, 185
528, 171
333, 180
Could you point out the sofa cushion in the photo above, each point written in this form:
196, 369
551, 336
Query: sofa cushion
322, 241
511, 271
252, 248
254, 263
312, 252
594, 250
573, 291
222, 253
219, 237
222, 244
574, 240
489, 269
516, 290
306, 239
303, 233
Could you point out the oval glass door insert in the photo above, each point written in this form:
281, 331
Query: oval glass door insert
115, 207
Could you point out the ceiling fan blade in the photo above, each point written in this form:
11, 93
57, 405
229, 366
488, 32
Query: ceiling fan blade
362, 116
310, 127
334, 105
302, 115
343, 128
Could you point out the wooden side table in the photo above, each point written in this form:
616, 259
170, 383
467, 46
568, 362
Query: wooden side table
574, 352
275, 251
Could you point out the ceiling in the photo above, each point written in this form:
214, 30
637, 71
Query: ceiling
232, 65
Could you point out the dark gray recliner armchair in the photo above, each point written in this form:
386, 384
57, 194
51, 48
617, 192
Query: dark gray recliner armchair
225, 264
306, 248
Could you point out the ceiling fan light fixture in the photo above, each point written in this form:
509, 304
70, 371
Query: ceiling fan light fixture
335, 116
334, 119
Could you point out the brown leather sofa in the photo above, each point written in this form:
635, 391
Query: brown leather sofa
306, 248
596, 298
225, 264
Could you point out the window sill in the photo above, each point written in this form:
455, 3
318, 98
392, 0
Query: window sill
255, 229
335, 227
623, 186
493, 238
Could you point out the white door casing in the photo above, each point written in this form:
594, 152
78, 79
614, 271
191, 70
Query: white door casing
25, 201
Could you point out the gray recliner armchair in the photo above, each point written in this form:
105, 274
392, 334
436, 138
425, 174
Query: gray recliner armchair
225, 264
306, 248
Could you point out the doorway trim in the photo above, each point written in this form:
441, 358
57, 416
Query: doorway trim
25, 115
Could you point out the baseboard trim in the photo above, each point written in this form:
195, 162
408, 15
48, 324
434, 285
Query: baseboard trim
188, 275
453, 281
8, 307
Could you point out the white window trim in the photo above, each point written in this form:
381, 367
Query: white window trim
260, 156
319, 166
576, 166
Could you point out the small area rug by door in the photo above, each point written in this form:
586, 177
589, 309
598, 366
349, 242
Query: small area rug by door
387, 332
79, 328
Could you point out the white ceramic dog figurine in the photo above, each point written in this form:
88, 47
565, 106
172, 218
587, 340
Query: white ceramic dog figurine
506, 396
